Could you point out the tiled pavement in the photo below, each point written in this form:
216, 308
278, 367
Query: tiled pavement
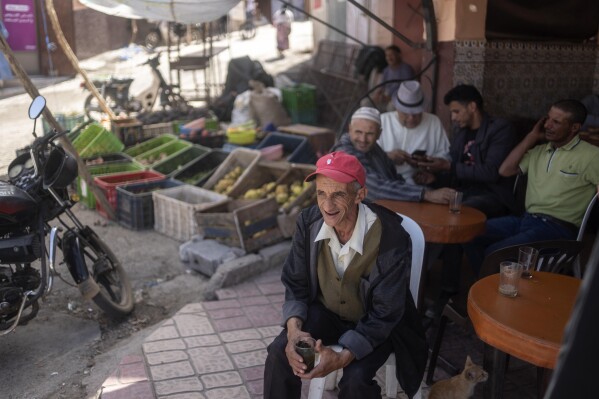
217, 349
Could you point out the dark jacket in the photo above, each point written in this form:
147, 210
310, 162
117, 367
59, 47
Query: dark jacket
494, 140
390, 310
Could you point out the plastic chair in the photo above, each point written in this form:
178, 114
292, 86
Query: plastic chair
557, 256
585, 219
318, 385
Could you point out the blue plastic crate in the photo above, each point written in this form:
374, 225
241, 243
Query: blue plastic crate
295, 149
135, 207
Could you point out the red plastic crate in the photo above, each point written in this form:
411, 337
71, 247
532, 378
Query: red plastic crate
109, 183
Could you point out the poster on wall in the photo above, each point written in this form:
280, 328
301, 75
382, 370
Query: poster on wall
19, 19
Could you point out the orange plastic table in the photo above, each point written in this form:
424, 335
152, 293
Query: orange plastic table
438, 224
529, 326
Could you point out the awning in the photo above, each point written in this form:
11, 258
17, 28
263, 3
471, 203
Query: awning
183, 11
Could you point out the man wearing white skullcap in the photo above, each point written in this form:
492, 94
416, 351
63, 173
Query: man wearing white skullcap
382, 180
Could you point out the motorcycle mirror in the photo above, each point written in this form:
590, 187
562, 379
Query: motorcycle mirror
37, 107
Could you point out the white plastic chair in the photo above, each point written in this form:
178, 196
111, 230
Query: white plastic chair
318, 385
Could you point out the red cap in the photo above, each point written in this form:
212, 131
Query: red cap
341, 167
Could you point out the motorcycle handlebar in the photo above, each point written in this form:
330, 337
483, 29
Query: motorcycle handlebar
41, 142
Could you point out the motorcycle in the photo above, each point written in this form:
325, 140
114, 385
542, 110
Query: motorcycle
115, 92
35, 196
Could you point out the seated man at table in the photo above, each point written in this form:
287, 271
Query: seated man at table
383, 180
563, 176
480, 144
347, 283
409, 130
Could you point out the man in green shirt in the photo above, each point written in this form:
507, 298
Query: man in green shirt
563, 176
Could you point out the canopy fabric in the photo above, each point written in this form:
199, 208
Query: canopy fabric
183, 11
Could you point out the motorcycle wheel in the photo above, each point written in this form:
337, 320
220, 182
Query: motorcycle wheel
176, 101
153, 40
115, 297
92, 108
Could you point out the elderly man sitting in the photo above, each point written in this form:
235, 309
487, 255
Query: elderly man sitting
409, 134
347, 282
383, 180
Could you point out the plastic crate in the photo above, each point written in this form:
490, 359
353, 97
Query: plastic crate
95, 140
174, 209
211, 140
247, 224
245, 159
295, 148
321, 139
67, 121
152, 157
109, 183
129, 131
199, 171
149, 145
135, 207
108, 159
157, 129
85, 196
175, 162
300, 103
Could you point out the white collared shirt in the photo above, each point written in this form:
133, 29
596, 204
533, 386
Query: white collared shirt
343, 254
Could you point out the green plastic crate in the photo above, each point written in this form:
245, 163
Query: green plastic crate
95, 140
83, 191
300, 103
67, 121
177, 161
149, 158
149, 145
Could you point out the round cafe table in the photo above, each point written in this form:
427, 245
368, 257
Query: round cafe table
438, 224
529, 326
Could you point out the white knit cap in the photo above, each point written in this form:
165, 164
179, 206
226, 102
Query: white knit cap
372, 114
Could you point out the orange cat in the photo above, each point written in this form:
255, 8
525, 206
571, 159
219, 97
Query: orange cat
462, 385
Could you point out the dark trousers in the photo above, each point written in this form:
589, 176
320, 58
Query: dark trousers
358, 376
512, 230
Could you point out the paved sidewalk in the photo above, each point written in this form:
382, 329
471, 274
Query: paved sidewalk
208, 350
217, 349
213, 349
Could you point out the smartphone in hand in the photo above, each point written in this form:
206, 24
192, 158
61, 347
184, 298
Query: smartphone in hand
419, 154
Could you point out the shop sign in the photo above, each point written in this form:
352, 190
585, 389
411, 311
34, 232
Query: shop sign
19, 19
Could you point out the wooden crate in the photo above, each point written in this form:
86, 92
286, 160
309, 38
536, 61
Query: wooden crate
321, 139
262, 173
299, 172
246, 159
247, 224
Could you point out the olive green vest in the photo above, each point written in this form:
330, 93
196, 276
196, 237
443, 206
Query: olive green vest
342, 295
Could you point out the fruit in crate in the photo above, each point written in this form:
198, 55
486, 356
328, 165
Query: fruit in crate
153, 159
225, 185
284, 194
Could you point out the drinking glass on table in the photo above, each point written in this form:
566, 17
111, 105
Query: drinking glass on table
527, 258
509, 278
455, 202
